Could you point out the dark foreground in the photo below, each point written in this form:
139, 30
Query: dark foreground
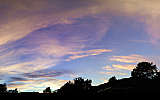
120, 88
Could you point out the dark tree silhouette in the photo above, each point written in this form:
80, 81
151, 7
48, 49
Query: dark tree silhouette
47, 90
80, 82
3, 88
158, 75
13, 91
79, 86
112, 79
145, 70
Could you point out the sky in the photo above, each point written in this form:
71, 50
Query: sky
46, 43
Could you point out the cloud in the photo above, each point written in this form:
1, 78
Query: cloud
115, 69
82, 54
134, 58
124, 67
29, 15
46, 74
38, 85
146, 11
108, 68
15, 85
14, 79
114, 73
38, 80
19, 18
129, 59
25, 67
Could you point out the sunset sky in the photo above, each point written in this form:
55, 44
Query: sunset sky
48, 42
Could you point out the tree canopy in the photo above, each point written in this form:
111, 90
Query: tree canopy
47, 90
145, 70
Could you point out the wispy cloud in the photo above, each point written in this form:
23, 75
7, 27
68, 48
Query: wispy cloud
27, 66
28, 16
82, 54
116, 67
114, 73
146, 11
46, 74
115, 70
38, 85
134, 59
19, 79
129, 59
124, 67
108, 68
38, 80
